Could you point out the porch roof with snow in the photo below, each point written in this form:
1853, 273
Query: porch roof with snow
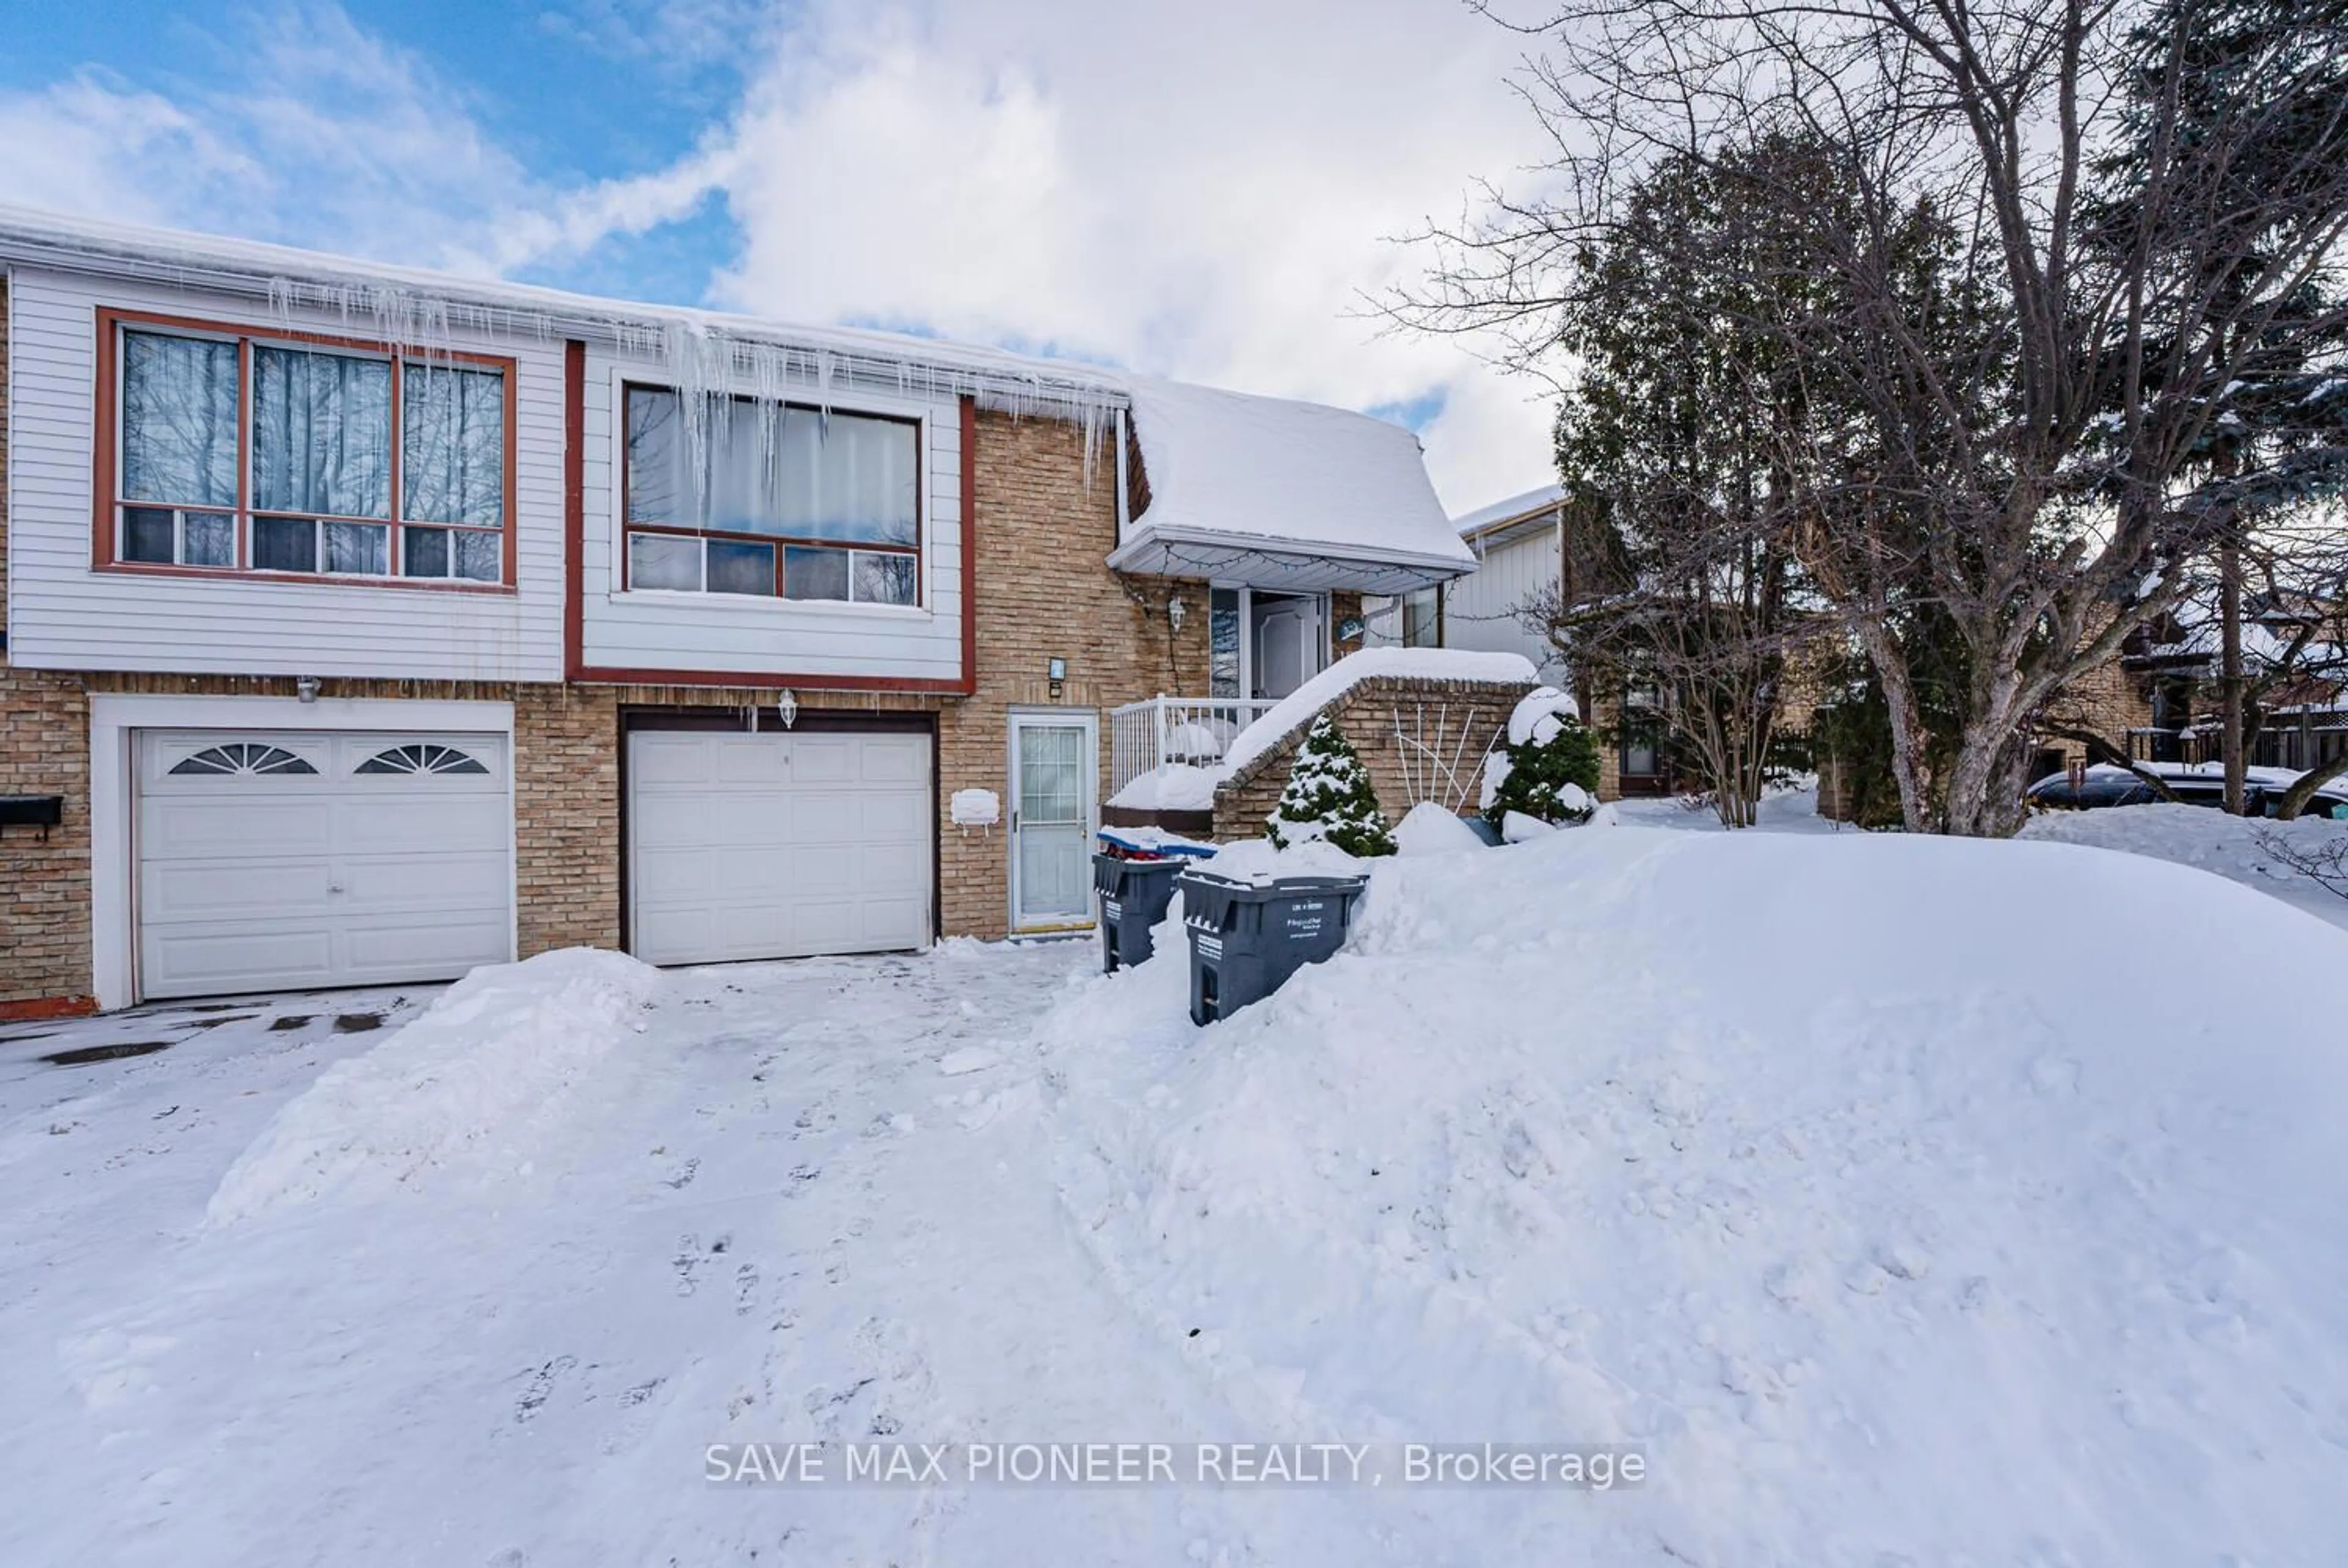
1281, 495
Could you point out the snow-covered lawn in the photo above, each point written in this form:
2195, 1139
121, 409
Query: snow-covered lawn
1890, 1214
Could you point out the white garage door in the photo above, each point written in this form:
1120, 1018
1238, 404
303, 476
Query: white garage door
281, 861
777, 846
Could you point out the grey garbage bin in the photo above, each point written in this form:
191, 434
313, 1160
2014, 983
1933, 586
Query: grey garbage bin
1246, 939
1133, 896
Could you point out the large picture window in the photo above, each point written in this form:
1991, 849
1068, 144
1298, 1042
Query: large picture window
772, 499
240, 452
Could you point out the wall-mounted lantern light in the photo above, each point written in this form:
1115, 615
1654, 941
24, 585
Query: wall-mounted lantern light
787, 709
1056, 670
1175, 610
305, 688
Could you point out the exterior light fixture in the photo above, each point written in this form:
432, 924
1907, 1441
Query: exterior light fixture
1056, 670
1175, 610
787, 709
305, 688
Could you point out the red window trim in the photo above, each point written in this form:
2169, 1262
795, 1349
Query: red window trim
918, 549
105, 504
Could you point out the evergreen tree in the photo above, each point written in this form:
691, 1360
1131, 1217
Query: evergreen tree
1329, 798
1553, 772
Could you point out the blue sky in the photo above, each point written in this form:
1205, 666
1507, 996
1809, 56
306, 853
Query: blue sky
1116, 183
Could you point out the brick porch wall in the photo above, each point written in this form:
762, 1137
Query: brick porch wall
1457, 720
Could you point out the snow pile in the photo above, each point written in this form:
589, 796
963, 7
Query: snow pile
495, 1055
1296, 709
2207, 839
1173, 786
1271, 469
1431, 829
1540, 715
1875, 1188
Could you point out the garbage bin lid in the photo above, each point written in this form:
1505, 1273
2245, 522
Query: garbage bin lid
1154, 842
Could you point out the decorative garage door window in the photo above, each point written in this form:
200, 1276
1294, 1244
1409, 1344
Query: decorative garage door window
243, 757
421, 759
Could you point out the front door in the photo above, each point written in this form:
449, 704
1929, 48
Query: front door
1287, 638
1054, 757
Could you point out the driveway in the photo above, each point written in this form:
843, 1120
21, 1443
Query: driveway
803, 1203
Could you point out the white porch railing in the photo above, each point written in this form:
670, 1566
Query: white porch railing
1195, 730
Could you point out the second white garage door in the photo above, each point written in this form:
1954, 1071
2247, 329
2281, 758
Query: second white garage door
778, 846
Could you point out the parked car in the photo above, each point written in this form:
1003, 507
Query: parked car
2192, 784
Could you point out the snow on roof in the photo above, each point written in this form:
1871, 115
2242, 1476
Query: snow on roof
1295, 710
287, 276
1224, 465
1509, 510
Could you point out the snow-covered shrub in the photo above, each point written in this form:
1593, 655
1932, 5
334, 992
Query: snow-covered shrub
1329, 798
1549, 769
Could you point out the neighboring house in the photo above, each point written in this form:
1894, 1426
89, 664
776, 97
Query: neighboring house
371, 624
1519, 546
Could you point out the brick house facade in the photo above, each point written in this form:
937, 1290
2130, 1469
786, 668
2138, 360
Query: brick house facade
1016, 550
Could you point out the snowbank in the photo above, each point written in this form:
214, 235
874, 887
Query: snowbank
1277, 470
2206, 840
493, 1057
1878, 1189
1429, 828
1295, 710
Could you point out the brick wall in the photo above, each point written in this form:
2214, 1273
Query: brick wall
1042, 532
1421, 740
44, 886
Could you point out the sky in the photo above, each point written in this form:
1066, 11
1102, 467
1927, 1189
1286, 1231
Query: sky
1213, 191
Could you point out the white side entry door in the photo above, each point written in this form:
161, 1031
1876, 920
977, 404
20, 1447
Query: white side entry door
1054, 759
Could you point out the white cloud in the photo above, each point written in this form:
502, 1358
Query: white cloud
1206, 191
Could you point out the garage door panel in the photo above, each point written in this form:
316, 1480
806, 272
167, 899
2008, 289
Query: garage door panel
898, 760
656, 760
774, 847
252, 880
231, 889
419, 824
222, 826
187, 962
394, 949
452, 883
827, 759
892, 816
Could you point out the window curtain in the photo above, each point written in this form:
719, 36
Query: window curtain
768, 468
179, 420
321, 434
452, 459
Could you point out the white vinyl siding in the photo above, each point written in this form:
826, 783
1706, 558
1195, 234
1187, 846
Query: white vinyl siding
1478, 610
751, 636
62, 615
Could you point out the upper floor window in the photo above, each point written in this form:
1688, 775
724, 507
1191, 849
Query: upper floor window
236, 452
772, 499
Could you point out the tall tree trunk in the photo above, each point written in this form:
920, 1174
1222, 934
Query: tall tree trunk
1910, 770
2230, 666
